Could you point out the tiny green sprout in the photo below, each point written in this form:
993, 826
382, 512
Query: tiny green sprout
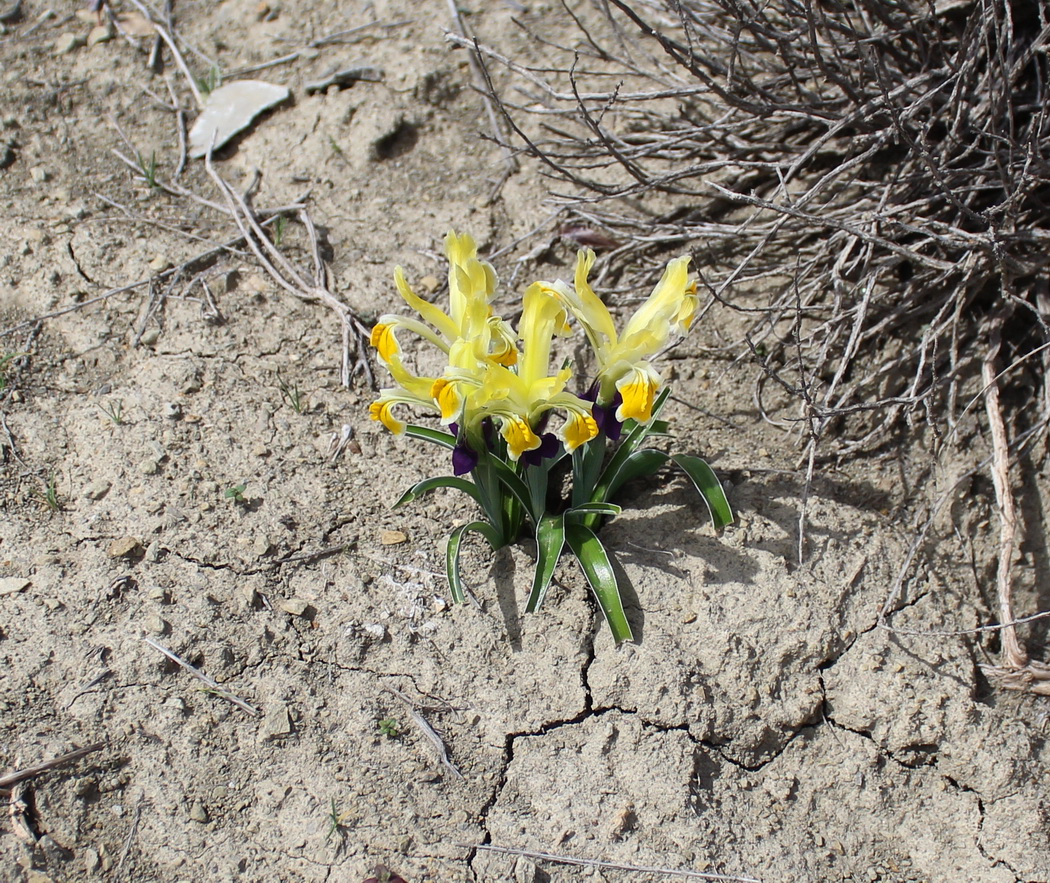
5, 363
291, 394
337, 821
149, 169
389, 727
336, 149
113, 410
210, 81
236, 493
278, 229
48, 497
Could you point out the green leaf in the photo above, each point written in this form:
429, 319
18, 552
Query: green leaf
709, 487
594, 560
640, 464
429, 484
599, 508
455, 540
637, 434
550, 540
514, 483
433, 436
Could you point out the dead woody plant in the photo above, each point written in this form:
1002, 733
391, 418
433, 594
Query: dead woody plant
866, 183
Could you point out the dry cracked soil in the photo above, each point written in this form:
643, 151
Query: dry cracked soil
171, 476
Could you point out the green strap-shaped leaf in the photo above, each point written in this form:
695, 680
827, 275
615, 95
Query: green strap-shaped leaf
429, 484
709, 487
600, 508
514, 483
640, 464
637, 434
592, 556
431, 435
550, 540
455, 540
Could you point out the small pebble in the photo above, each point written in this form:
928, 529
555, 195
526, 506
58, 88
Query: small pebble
294, 606
125, 547
150, 336
156, 625
149, 466
38, 174
159, 264
67, 42
392, 537
171, 410
276, 725
430, 283
97, 489
198, 813
100, 34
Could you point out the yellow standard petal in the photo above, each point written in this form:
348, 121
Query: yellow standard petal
520, 437
382, 411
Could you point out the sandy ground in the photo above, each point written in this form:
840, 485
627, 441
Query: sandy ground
762, 726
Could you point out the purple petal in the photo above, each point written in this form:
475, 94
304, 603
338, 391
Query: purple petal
549, 447
463, 459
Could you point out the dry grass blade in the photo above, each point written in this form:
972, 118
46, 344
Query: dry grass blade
432, 735
11, 779
212, 685
613, 866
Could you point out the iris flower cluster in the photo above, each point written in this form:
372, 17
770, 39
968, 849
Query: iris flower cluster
510, 417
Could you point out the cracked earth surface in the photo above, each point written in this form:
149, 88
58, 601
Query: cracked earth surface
763, 725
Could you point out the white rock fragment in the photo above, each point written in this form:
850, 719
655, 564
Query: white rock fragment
229, 110
12, 585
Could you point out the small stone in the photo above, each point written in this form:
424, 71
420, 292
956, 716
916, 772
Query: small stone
155, 625
260, 451
198, 813
150, 336
429, 283
100, 34
393, 537
149, 466
38, 174
12, 585
276, 725
171, 410
91, 861
159, 264
153, 551
97, 489
295, 606
261, 546
157, 593
125, 547
67, 42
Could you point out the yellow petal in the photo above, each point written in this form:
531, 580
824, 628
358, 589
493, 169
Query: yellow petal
384, 341
427, 310
446, 394
638, 389
382, 411
579, 429
520, 437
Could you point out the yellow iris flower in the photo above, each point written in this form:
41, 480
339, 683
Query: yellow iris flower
469, 335
623, 359
518, 399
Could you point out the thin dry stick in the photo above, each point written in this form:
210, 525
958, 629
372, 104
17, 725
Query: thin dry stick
285, 274
213, 686
11, 779
614, 866
428, 731
1015, 657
